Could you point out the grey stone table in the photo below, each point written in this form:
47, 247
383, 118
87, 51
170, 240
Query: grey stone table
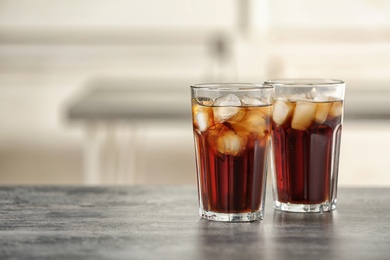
162, 222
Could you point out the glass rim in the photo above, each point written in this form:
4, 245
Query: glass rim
305, 82
231, 86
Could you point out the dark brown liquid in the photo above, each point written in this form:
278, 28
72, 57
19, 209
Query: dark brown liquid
231, 183
304, 161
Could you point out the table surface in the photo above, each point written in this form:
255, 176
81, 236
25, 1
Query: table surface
162, 222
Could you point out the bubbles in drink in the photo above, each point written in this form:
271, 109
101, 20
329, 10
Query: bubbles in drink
252, 101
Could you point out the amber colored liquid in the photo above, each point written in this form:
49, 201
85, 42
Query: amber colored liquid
231, 183
304, 160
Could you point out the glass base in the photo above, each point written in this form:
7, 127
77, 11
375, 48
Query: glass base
314, 208
231, 217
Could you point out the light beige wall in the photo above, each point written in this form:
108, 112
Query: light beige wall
51, 50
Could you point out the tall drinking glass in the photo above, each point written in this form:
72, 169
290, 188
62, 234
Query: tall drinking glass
307, 124
232, 129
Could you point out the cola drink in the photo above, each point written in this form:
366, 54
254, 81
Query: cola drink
305, 151
306, 133
232, 136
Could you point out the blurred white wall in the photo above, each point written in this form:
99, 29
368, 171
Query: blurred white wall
50, 51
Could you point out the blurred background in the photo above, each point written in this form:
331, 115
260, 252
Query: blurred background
97, 91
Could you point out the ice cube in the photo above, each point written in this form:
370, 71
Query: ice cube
321, 98
252, 101
298, 97
336, 109
213, 133
253, 123
202, 117
312, 94
322, 112
230, 100
226, 107
257, 122
238, 116
230, 143
316, 95
223, 114
282, 110
304, 114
